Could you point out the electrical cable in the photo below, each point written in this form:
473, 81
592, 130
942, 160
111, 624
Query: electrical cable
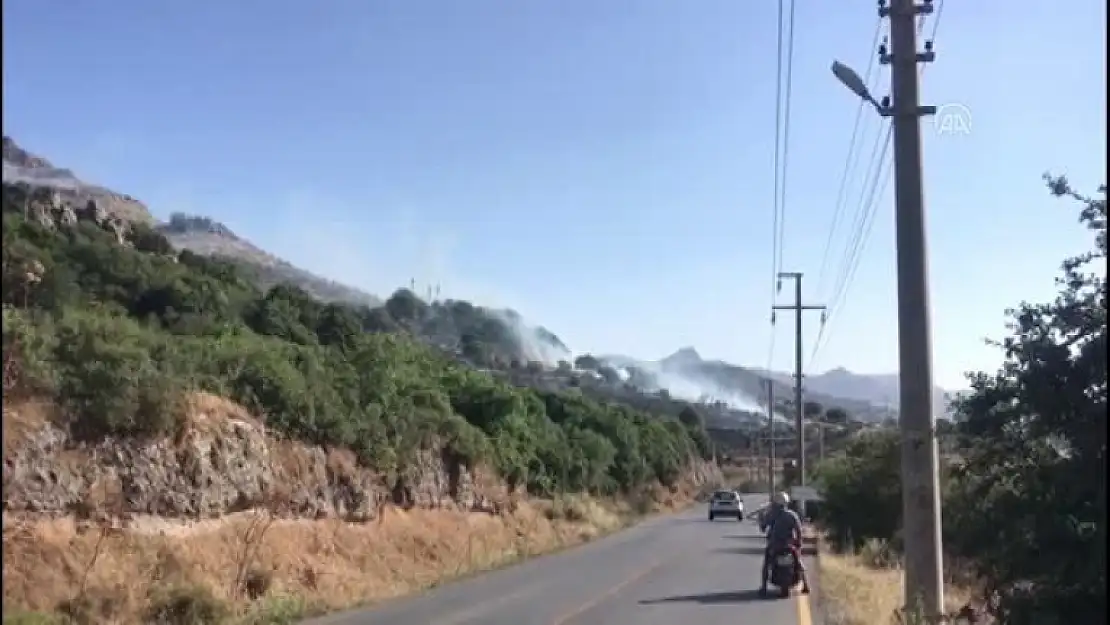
864, 225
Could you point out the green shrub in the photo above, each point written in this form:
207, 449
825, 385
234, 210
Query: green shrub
108, 383
1025, 494
119, 334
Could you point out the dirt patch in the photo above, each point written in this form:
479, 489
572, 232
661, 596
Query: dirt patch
857, 591
293, 567
206, 412
22, 420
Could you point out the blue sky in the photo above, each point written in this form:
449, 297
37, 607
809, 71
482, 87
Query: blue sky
604, 167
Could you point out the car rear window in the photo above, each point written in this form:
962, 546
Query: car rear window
724, 495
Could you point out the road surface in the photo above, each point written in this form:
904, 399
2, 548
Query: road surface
673, 570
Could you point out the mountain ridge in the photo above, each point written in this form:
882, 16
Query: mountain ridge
880, 389
485, 337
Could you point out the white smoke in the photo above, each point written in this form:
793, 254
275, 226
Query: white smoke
692, 388
682, 385
535, 345
57, 178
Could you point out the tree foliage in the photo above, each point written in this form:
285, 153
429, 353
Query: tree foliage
117, 334
1025, 491
836, 415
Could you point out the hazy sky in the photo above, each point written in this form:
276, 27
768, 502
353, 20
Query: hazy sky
604, 167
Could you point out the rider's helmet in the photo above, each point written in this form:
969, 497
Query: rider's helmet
781, 499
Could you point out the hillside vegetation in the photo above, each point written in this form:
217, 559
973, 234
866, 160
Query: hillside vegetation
118, 333
1024, 476
207, 237
495, 340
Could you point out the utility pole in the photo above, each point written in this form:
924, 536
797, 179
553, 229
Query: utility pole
921, 515
798, 309
770, 437
821, 442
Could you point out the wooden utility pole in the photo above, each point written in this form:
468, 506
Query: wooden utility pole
798, 309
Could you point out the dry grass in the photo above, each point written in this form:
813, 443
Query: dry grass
857, 589
299, 566
745, 474
22, 419
251, 568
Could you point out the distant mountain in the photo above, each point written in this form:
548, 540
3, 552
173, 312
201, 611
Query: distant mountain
878, 389
682, 359
684, 373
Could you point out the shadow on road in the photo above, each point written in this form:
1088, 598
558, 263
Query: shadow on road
740, 596
684, 521
741, 551
750, 538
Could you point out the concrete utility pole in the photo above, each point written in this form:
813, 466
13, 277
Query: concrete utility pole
770, 437
820, 442
798, 309
921, 515
924, 585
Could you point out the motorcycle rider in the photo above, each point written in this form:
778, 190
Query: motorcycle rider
784, 532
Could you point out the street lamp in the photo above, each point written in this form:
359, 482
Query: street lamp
855, 84
921, 506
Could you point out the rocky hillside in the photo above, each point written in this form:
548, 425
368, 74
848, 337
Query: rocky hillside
208, 237
198, 234
57, 195
222, 461
21, 166
490, 339
227, 523
161, 411
117, 329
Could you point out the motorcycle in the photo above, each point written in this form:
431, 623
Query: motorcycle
784, 571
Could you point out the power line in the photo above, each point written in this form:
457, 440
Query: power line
849, 163
781, 129
775, 191
867, 206
882, 141
786, 133
865, 223
778, 154
870, 208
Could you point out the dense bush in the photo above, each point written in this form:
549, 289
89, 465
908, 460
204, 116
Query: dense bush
119, 333
862, 490
1025, 490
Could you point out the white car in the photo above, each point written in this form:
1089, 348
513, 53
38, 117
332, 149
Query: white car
726, 503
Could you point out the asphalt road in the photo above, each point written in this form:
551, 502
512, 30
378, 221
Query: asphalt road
673, 570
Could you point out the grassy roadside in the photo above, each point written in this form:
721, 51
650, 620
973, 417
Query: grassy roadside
865, 588
248, 571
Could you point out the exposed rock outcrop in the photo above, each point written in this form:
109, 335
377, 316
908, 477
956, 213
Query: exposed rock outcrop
222, 461
53, 208
22, 167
